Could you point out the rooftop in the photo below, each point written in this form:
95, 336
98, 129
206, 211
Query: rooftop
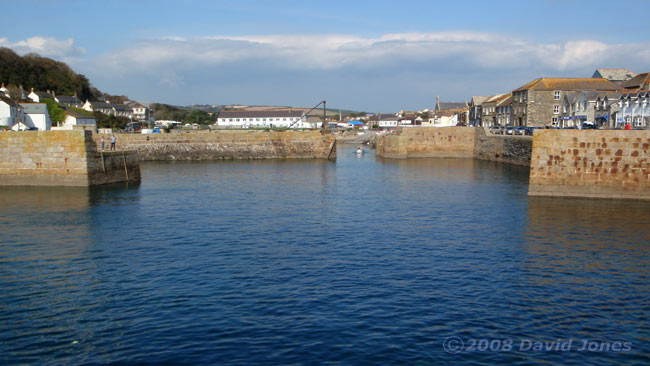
548, 84
614, 74
259, 114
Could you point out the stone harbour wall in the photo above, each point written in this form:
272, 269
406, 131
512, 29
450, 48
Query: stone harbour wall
226, 145
455, 142
60, 158
601, 163
504, 149
425, 142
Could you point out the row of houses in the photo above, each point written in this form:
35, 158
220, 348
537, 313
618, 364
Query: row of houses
29, 111
611, 98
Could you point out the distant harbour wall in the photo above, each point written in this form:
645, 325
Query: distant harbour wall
62, 158
600, 164
227, 145
455, 142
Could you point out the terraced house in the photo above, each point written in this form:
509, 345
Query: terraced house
538, 103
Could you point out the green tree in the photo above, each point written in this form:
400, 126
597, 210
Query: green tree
57, 114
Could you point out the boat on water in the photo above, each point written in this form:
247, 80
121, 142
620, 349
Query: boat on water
359, 151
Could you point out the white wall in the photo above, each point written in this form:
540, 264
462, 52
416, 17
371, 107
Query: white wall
263, 122
7, 114
38, 120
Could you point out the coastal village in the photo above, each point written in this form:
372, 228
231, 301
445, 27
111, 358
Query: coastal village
609, 99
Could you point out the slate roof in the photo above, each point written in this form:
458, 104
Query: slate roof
637, 81
452, 105
496, 98
122, 108
504, 102
9, 101
614, 74
34, 108
549, 84
100, 105
43, 95
76, 114
67, 99
478, 99
259, 114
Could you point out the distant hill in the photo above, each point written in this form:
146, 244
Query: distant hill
42, 73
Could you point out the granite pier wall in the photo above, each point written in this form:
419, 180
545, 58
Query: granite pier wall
597, 164
62, 158
227, 145
455, 142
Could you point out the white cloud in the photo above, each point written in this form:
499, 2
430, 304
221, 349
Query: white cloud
392, 70
45, 46
331, 52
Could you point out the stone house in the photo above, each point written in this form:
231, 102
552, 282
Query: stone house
606, 109
538, 103
504, 111
578, 107
475, 109
489, 110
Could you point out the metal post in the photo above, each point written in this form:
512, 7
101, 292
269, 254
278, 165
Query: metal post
324, 126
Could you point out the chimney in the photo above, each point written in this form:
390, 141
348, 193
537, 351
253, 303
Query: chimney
437, 102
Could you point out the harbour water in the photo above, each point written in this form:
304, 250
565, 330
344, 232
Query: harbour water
353, 262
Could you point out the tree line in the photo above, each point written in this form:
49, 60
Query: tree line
42, 73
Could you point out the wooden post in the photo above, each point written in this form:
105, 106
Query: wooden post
126, 170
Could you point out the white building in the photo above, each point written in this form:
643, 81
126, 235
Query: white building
102, 107
387, 120
73, 118
634, 108
268, 119
35, 115
138, 111
37, 97
9, 111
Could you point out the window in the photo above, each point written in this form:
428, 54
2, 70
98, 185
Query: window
556, 109
556, 95
554, 121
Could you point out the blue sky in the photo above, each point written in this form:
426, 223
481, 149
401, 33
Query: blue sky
365, 55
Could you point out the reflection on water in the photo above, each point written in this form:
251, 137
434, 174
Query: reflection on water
361, 261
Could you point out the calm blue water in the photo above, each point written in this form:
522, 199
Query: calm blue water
359, 262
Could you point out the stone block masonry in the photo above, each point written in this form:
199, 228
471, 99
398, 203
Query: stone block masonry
424, 142
61, 158
455, 142
602, 164
227, 145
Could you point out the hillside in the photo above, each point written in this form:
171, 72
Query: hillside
42, 73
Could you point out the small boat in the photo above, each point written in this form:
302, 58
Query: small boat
359, 151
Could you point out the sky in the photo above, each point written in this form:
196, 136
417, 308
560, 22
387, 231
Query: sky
373, 56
